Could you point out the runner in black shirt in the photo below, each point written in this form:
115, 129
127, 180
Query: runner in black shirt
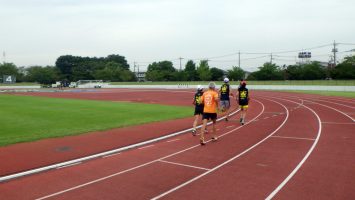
198, 107
243, 100
224, 97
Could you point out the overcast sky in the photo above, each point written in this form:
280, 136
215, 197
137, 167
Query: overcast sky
37, 32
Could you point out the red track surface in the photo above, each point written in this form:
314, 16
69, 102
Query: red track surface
295, 146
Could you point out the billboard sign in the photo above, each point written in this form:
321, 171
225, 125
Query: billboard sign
9, 79
304, 55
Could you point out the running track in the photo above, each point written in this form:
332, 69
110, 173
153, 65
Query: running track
294, 146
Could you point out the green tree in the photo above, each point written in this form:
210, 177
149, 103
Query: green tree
8, 69
203, 71
344, 70
268, 72
42, 75
160, 71
190, 69
313, 71
236, 73
216, 74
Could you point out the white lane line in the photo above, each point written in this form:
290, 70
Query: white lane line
65, 166
296, 138
229, 127
343, 123
173, 140
288, 178
331, 102
115, 154
149, 146
313, 102
180, 164
145, 164
226, 162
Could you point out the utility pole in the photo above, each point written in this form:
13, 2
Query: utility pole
239, 59
134, 67
180, 62
271, 58
335, 50
4, 57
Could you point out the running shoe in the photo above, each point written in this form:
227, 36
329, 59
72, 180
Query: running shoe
202, 142
194, 132
243, 121
214, 139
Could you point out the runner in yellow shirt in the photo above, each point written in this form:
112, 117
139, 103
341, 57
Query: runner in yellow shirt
210, 100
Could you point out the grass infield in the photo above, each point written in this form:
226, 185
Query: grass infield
326, 93
25, 118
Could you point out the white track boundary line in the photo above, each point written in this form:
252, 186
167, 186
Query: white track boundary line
145, 164
352, 107
90, 157
226, 162
293, 97
296, 138
180, 164
288, 178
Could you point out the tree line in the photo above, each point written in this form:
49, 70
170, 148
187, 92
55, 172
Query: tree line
115, 68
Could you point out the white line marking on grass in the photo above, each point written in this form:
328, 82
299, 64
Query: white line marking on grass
173, 140
139, 166
149, 146
180, 164
65, 166
288, 178
115, 154
226, 162
296, 138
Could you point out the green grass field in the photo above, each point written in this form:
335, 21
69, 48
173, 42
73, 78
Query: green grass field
24, 118
326, 93
20, 84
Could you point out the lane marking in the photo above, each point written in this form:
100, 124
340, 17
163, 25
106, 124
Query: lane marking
331, 102
173, 140
296, 138
145, 164
149, 146
180, 164
229, 127
266, 117
226, 162
61, 167
115, 154
288, 178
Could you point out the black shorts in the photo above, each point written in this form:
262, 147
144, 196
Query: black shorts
209, 116
198, 111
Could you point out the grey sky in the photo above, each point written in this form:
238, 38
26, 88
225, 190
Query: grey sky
37, 32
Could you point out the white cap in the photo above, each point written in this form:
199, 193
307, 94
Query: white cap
199, 87
226, 80
211, 85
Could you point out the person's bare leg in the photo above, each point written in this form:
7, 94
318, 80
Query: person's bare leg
202, 136
214, 136
194, 125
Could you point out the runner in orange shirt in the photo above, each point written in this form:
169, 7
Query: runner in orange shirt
210, 100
